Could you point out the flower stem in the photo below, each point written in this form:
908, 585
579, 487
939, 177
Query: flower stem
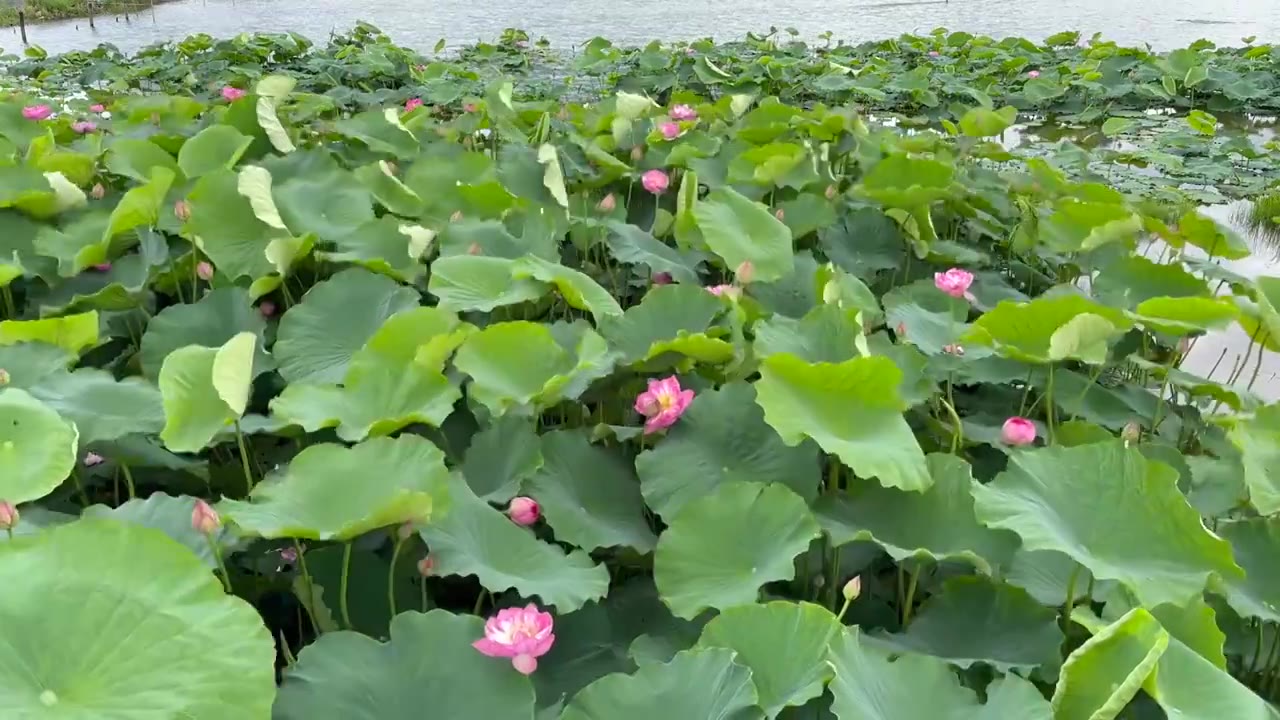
244, 460
1070, 601
222, 567
391, 576
911, 597
311, 588
342, 587
128, 481
9, 308
1049, 407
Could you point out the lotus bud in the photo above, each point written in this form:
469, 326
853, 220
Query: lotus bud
92, 458
425, 566
469, 107
745, 272
475, 249
182, 209
405, 531
780, 214
524, 510
1018, 431
98, 192
662, 278
831, 192
901, 330
853, 588
637, 153
1131, 433
456, 216
204, 519
608, 204
4, 377
204, 270
267, 308
831, 293
8, 515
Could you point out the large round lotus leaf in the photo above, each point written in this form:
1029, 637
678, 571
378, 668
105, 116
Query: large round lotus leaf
211, 321
29, 363
500, 456
1113, 511
328, 205
937, 524
37, 447
868, 685
1126, 281
388, 245
633, 246
975, 620
226, 228
740, 230
589, 494
427, 669
704, 683
1101, 676
204, 390
851, 409
1183, 315
171, 516
783, 643
1258, 438
722, 437
318, 337
720, 548
317, 495
511, 363
479, 282
578, 289
101, 407
1045, 574
111, 620
670, 318
825, 334
903, 181
213, 148
926, 317
1256, 545
72, 333
473, 538
1027, 331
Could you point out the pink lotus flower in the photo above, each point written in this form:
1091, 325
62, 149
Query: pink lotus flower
662, 278
289, 555
954, 282
84, 126
204, 270
412, 104
670, 130
522, 634
267, 308
663, 403
8, 515
92, 458
745, 272
182, 210
683, 112
469, 107
524, 510
98, 108
1018, 431
1033, 74
655, 181
204, 519
728, 291
934, 53
231, 94
425, 566
36, 112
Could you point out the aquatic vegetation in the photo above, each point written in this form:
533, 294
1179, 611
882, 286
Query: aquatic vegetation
508, 403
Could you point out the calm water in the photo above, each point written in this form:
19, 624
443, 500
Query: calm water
1162, 23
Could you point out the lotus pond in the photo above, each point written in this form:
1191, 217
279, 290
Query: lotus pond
698, 380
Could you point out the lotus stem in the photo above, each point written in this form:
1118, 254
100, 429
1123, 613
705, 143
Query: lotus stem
342, 587
244, 460
311, 588
391, 576
128, 481
222, 567
833, 575
1070, 601
1049, 408
9, 309
911, 597
957, 433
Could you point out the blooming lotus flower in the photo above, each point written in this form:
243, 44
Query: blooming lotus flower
36, 112
1018, 431
683, 112
231, 94
655, 181
8, 515
92, 458
954, 282
204, 519
728, 291
204, 270
663, 403
522, 634
412, 104
669, 130
524, 510
1033, 74
98, 108
84, 127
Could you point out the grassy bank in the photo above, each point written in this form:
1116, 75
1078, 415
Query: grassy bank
46, 10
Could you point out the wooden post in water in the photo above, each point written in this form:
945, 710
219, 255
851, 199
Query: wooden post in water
91, 5
22, 20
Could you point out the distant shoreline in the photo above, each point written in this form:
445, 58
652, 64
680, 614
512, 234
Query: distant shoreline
41, 11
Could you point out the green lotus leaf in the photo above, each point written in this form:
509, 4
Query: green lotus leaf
171, 516
670, 318
927, 317
1101, 676
1113, 511
18, 256
937, 524
28, 363
325, 204
825, 334
1078, 224
1118, 126
1129, 280
783, 643
72, 333
851, 409
387, 245
633, 246
720, 548
38, 448
976, 620
1026, 331
1258, 439
271, 91
1234, 397
227, 229
136, 158
479, 282
122, 287
382, 131
501, 455
1085, 337
216, 147
1184, 315
204, 390
139, 207
380, 179
589, 494
740, 230
349, 676
131, 624
1207, 234
721, 438
318, 338
402, 480
577, 289
491, 238
101, 407
473, 538
211, 321
1255, 542
706, 683
1046, 573
986, 122
869, 686
903, 181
